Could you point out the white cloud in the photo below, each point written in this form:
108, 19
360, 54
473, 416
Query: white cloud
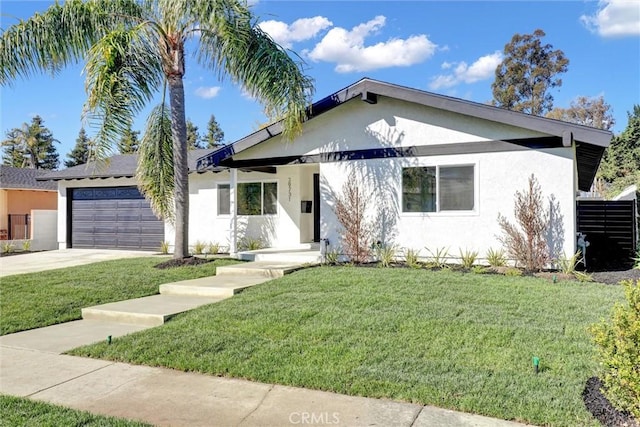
615, 18
482, 69
300, 30
347, 49
207, 92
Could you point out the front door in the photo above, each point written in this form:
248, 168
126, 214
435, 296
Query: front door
316, 207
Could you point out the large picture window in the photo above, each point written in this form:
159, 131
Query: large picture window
438, 188
252, 198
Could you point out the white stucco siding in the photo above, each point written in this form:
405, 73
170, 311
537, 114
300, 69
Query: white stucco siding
497, 178
357, 125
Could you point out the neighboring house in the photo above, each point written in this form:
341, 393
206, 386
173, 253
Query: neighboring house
437, 171
20, 194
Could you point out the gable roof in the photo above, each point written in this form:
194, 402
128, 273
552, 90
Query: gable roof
590, 142
12, 178
118, 166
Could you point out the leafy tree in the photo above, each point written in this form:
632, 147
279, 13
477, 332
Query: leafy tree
527, 72
620, 165
129, 142
193, 137
215, 135
135, 49
31, 146
80, 153
594, 112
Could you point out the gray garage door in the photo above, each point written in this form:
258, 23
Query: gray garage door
113, 218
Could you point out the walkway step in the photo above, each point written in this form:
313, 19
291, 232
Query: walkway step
260, 268
214, 286
146, 311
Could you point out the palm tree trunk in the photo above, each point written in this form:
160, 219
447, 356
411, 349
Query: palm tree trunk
180, 167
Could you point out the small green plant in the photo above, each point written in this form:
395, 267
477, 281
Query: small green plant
411, 258
513, 272
582, 276
251, 244
439, 257
213, 248
619, 351
7, 247
636, 260
479, 269
386, 254
199, 247
332, 256
26, 245
468, 258
568, 265
164, 247
496, 257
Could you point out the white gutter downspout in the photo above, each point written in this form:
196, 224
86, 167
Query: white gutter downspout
233, 228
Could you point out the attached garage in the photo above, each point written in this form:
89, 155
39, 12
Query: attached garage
112, 218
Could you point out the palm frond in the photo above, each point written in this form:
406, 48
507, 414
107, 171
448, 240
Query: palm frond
48, 41
123, 71
232, 45
155, 163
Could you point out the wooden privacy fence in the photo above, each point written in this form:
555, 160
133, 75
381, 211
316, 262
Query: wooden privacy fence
611, 229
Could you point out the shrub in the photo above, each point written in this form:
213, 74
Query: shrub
619, 351
332, 256
568, 265
386, 254
496, 258
350, 210
250, 244
7, 247
164, 247
213, 248
479, 269
468, 258
527, 243
439, 257
636, 260
199, 247
26, 245
512, 271
411, 258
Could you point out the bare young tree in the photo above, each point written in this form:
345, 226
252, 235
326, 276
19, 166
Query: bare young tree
525, 242
350, 209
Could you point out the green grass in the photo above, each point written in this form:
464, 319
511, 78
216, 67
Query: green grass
17, 411
454, 340
35, 300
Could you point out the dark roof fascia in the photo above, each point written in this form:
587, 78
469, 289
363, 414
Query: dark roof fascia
366, 87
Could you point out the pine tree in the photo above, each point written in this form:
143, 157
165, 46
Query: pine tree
31, 146
193, 137
527, 72
215, 135
129, 142
80, 153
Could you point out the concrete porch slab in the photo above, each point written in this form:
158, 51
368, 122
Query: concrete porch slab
260, 268
146, 311
214, 286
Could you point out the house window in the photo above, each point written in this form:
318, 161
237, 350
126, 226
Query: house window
257, 198
438, 188
224, 199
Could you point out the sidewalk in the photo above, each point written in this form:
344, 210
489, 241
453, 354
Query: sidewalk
30, 366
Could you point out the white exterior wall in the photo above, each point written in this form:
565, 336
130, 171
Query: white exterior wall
44, 230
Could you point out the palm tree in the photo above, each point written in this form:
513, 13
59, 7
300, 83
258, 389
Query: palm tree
135, 49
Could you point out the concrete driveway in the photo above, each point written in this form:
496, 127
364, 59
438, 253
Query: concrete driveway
50, 260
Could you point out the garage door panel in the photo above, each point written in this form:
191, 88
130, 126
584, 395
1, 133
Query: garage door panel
114, 217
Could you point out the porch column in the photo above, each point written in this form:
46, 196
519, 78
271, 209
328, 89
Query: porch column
233, 228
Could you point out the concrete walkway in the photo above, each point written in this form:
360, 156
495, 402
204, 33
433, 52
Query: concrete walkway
31, 365
61, 258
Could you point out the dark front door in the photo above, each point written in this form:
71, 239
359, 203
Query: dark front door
316, 207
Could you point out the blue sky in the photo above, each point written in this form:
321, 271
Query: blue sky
447, 47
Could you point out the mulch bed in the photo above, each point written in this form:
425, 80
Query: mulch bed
602, 409
615, 277
172, 263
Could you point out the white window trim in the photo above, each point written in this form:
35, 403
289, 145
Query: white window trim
438, 213
252, 181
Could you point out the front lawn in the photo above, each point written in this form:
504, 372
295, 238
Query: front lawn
35, 300
454, 340
18, 411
